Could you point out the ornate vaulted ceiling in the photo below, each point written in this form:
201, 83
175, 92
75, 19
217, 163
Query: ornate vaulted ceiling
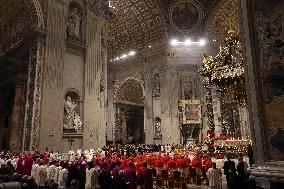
139, 23
224, 17
17, 18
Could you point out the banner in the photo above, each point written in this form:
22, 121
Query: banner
191, 111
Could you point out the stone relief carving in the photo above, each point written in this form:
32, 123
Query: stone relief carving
74, 22
71, 120
157, 127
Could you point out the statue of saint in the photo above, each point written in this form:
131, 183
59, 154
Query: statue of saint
71, 119
74, 23
158, 132
156, 85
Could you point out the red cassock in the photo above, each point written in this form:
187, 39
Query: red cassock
159, 163
27, 169
187, 159
145, 174
197, 162
181, 163
171, 164
20, 166
207, 162
45, 158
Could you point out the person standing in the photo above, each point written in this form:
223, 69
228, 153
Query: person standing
119, 181
116, 170
232, 179
242, 171
82, 176
105, 180
92, 177
229, 164
250, 155
73, 174
42, 176
63, 176
130, 176
145, 175
215, 177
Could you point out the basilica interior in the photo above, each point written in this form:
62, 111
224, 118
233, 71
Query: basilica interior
84, 74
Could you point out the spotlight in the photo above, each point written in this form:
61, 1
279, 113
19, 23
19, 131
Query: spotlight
150, 46
187, 42
132, 53
124, 56
202, 42
174, 42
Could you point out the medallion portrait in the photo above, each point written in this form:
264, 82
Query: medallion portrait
185, 16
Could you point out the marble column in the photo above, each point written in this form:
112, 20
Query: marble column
16, 122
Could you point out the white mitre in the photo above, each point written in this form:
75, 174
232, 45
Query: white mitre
71, 154
79, 152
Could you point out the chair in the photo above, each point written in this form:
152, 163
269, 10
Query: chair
176, 175
165, 177
171, 183
180, 184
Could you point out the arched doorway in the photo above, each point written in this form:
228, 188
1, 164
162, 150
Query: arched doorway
129, 105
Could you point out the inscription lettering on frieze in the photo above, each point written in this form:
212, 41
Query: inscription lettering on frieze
185, 53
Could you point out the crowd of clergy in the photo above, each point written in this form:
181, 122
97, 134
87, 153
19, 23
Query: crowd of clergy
112, 167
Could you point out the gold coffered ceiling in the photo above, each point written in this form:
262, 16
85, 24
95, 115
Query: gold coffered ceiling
224, 17
139, 23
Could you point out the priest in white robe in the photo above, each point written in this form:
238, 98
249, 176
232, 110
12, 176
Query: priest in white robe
92, 177
63, 177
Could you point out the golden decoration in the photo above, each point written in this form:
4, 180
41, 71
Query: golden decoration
226, 72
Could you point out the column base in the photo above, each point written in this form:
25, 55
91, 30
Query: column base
270, 175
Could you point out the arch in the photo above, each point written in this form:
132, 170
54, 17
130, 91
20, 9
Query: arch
73, 90
130, 90
76, 4
40, 16
18, 18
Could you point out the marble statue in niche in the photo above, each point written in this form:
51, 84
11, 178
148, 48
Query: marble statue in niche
157, 126
74, 22
71, 120
156, 85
